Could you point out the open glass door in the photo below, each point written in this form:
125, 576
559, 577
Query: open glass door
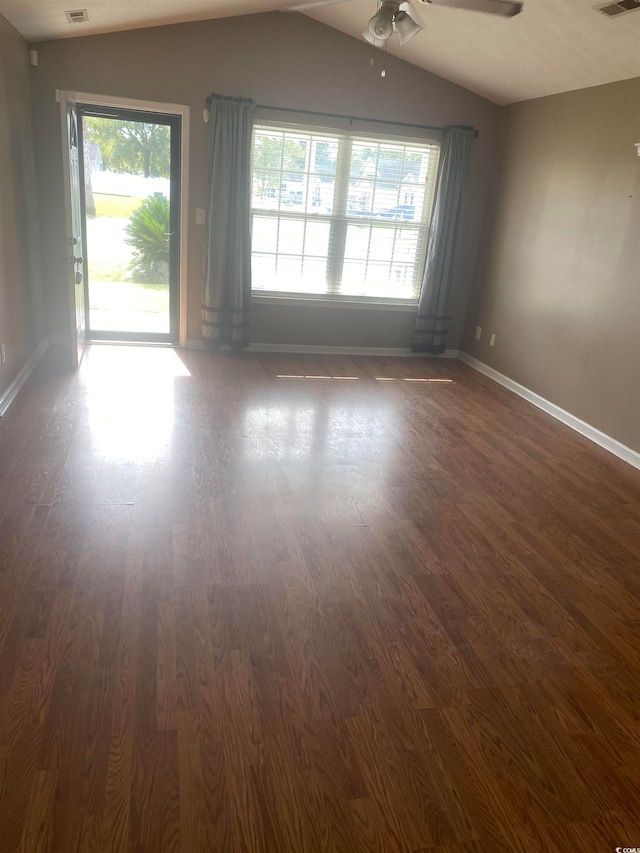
75, 245
131, 175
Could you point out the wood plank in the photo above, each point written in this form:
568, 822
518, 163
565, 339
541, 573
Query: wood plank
305, 616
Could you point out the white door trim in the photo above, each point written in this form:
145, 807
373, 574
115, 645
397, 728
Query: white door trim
185, 113
66, 176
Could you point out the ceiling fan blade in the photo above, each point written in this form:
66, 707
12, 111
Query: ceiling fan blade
302, 7
507, 8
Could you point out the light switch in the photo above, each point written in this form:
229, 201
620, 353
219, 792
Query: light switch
201, 215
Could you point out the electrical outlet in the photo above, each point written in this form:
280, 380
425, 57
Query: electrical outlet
478, 332
492, 341
201, 215
3, 354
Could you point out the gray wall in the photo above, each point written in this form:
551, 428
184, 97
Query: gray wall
559, 280
20, 282
284, 60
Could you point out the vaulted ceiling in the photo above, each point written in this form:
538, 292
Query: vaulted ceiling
552, 46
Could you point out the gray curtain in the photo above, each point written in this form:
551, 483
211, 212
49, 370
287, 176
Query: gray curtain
436, 296
226, 291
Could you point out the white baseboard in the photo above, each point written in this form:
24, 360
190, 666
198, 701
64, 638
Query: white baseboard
397, 352
611, 444
12, 391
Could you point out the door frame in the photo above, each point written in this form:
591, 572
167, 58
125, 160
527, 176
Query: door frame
77, 341
184, 112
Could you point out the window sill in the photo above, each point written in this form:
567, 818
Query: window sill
408, 307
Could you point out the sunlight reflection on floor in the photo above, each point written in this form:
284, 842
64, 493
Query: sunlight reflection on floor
130, 399
377, 378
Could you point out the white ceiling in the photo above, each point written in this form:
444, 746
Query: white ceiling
552, 46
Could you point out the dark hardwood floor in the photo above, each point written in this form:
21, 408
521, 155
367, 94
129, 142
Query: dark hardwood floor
276, 603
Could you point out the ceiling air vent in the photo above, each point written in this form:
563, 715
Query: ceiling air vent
612, 10
79, 16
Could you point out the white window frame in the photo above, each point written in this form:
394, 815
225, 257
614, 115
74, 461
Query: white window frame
332, 300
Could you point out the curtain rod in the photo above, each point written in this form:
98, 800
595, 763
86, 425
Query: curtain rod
360, 118
476, 132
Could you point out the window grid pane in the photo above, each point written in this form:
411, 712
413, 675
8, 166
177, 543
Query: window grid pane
340, 215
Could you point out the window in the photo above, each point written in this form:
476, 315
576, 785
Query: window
338, 215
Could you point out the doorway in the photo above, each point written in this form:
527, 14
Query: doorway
131, 175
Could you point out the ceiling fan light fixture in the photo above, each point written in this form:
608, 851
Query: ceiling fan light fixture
381, 25
372, 40
406, 27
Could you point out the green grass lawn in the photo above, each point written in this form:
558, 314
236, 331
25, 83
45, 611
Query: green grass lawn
106, 271
121, 206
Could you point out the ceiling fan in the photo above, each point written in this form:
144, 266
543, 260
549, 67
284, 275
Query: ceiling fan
399, 16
